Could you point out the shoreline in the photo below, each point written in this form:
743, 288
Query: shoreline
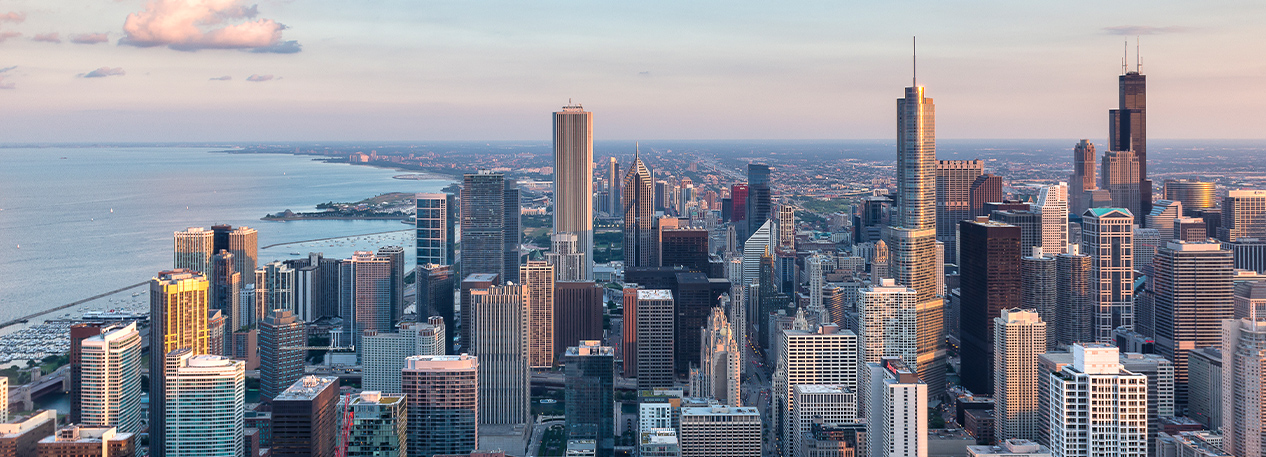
334, 218
455, 176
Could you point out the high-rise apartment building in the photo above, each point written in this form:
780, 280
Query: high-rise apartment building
178, 320
379, 425
1108, 238
304, 418
656, 347
953, 198
490, 226
1127, 131
759, 196
383, 354
1121, 180
896, 406
193, 250
78, 333
1194, 195
1019, 337
1194, 294
639, 211
888, 317
817, 404
1160, 386
434, 229
443, 403
501, 344
365, 298
719, 359
1204, 386
1243, 215
395, 259
1039, 290
1075, 302
589, 387
275, 287
1052, 209
990, 283
280, 363
243, 243
204, 405
720, 431
109, 387
573, 180
225, 294
805, 354
1083, 179
1243, 396
537, 278
1047, 364
1097, 407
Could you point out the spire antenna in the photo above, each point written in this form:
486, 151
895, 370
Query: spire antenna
915, 78
1125, 49
1138, 58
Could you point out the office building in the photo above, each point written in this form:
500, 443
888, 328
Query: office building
178, 320
216, 331
684, 247
987, 188
193, 250
280, 362
1160, 386
383, 354
1121, 179
537, 279
305, 418
757, 245
78, 333
579, 305
719, 361
720, 431
1128, 131
589, 388
565, 258
658, 443
224, 294
379, 425
1204, 386
204, 410
1052, 210
1249, 253
786, 227
1115, 422
21, 436
1194, 293
573, 180
395, 259
1193, 195
443, 403
817, 404
1029, 222
613, 182
1190, 443
990, 283
953, 198
366, 294
808, 355
274, 288
1243, 215
759, 196
888, 317
896, 405
835, 440
1162, 216
435, 285
1190, 229
1250, 300
109, 385
490, 226
1243, 404
434, 229
500, 341
85, 441
1107, 237
1146, 242
1047, 364
1083, 180
1019, 337
1010, 448
654, 327
639, 212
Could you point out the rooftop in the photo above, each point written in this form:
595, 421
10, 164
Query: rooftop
654, 294
823, 388
306, 388
720, 410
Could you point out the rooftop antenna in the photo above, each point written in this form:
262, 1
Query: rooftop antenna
916, 61
637, 151
1125, 49
1138, 58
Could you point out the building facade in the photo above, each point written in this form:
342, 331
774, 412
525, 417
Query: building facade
443, 404
573, 180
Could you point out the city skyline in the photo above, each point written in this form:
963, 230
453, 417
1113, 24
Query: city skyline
454, 64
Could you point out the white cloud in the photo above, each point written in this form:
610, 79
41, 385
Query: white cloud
190, 25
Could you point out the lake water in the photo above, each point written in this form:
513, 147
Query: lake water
76, 222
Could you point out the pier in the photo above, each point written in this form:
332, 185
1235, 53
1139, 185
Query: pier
70, 305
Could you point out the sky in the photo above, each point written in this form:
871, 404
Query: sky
324, 70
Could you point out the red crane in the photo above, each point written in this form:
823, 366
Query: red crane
346, 431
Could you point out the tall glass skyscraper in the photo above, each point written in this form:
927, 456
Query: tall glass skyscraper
110, 381
639, 212
1127, 129
490, 225
573, 179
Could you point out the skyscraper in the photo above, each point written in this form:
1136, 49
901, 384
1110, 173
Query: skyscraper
817, 404
704, 428
953, 198
639, 211
1160, 386
756, 246
1039, 290
1243, 215
759, 196
685, 247
224, 293
1019, 337
1194, 294
1052, 206
490, 225
537, 278
1115, 422
383, 354
1107, 237
896, 405
365, 298
888, 317
581, 302
435, 285
573, 179
654, 327
987, 188
304, 418
1164, 214
275, 287
1194, 195
1083, 179
990, 283
178, 320
1127, 131
565, 257
110, 381
589, 387
204, 406
1243, 407
822, 354
443, 410
613, 180
434, 229
280, 365
193, 250
1121, 180
395, 258
719, 359
1075, 303
78, 333
379, 424
243, 243
501, 344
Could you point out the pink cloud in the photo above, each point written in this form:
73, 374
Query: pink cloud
47, 38
190, 25
7, 35
90, 38
13, 16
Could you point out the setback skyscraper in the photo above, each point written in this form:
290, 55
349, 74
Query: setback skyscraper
953, 199
573, 179
1083, 179
1127, 131
639, 211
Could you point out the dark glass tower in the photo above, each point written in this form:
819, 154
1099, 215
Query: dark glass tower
758, 196
305, 418
279, 367
590, 394
490, 225
1127, 127
990, 283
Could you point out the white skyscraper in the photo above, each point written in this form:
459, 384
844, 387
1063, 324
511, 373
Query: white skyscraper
887, 325
816, 266
205, 412
110, 380
1052, 206
568, 262
573, 179
1097, 407
897, 410
719, 361
1243, 396
193, 250
383, 354
822, 355
1019, 337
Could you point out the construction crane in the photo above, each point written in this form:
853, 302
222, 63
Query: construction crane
345, 431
